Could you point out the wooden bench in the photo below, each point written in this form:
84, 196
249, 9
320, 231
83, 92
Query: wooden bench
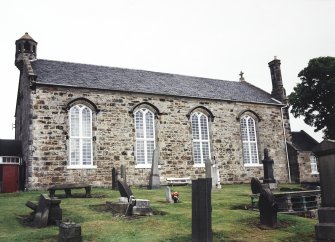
178, 181
67, 188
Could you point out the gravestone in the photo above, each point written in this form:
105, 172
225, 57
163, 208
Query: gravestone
325, 229
168, 194
256, 186
69, 232
154, 182
268, 170
213, 173
46, 212
123, 173
202, 210
124, 189
114, 179
127, 204
267, 208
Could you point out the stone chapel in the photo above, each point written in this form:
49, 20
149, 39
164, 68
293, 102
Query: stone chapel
77, 121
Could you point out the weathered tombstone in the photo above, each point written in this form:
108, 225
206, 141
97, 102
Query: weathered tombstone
114, 179
325, 229
256, 186
124, 189
268, 170
201, 210
47, 211
123, 173
267, 208
208, 168
154, 182
142, 207
212, 172
69, 232
42, 212
168, 194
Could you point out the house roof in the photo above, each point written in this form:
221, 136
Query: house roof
138, 81
10, 147
303, 141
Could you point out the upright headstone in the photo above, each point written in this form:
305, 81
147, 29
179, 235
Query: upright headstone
168, 194
267, 208
212, 171
208, 168
256, 186
202, 210
268, 170
325, 229
123, 173
114, 179
154, 182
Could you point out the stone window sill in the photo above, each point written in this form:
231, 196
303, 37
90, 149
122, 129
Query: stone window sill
199, 165
81, 167
253, 165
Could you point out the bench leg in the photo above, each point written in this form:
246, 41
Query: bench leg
67, 192
88, 191
52, 193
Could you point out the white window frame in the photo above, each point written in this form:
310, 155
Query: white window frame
80, 137
11, 160
314, 164
248, 160
200, 140
145, 139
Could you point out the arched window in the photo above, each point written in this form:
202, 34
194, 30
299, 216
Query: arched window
249, 140
81, 152
145, 137
200, 138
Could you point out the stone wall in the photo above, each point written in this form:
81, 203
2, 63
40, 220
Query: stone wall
305, 167
113, 128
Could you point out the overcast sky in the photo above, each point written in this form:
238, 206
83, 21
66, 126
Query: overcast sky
214, 39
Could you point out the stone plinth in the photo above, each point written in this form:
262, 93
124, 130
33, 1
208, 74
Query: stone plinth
69, 232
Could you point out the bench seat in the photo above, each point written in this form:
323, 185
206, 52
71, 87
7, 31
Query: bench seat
178, 181
68, 187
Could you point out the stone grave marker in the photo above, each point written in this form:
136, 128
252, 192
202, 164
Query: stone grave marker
154, 182
325, 229
114, 179
47, 211
124, 189
168, 194
256, 186
268, 170
267, 208
69, 232
123, 173
202, 210
212, 172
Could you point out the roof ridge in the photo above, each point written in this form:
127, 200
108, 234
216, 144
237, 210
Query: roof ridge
141, 70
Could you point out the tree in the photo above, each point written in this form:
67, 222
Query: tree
314, 97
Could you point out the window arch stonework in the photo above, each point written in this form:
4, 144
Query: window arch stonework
200, 119
145, 115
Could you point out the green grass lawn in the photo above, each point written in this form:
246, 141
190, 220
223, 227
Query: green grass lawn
230, 222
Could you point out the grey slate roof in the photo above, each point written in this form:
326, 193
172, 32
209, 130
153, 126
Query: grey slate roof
303, 141
9, 147
139, 81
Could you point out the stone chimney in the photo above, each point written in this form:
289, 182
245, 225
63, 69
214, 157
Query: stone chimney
25, 49
278, 90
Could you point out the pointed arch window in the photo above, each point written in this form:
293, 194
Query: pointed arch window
81, 151
145, 137
200, 138
249, 140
